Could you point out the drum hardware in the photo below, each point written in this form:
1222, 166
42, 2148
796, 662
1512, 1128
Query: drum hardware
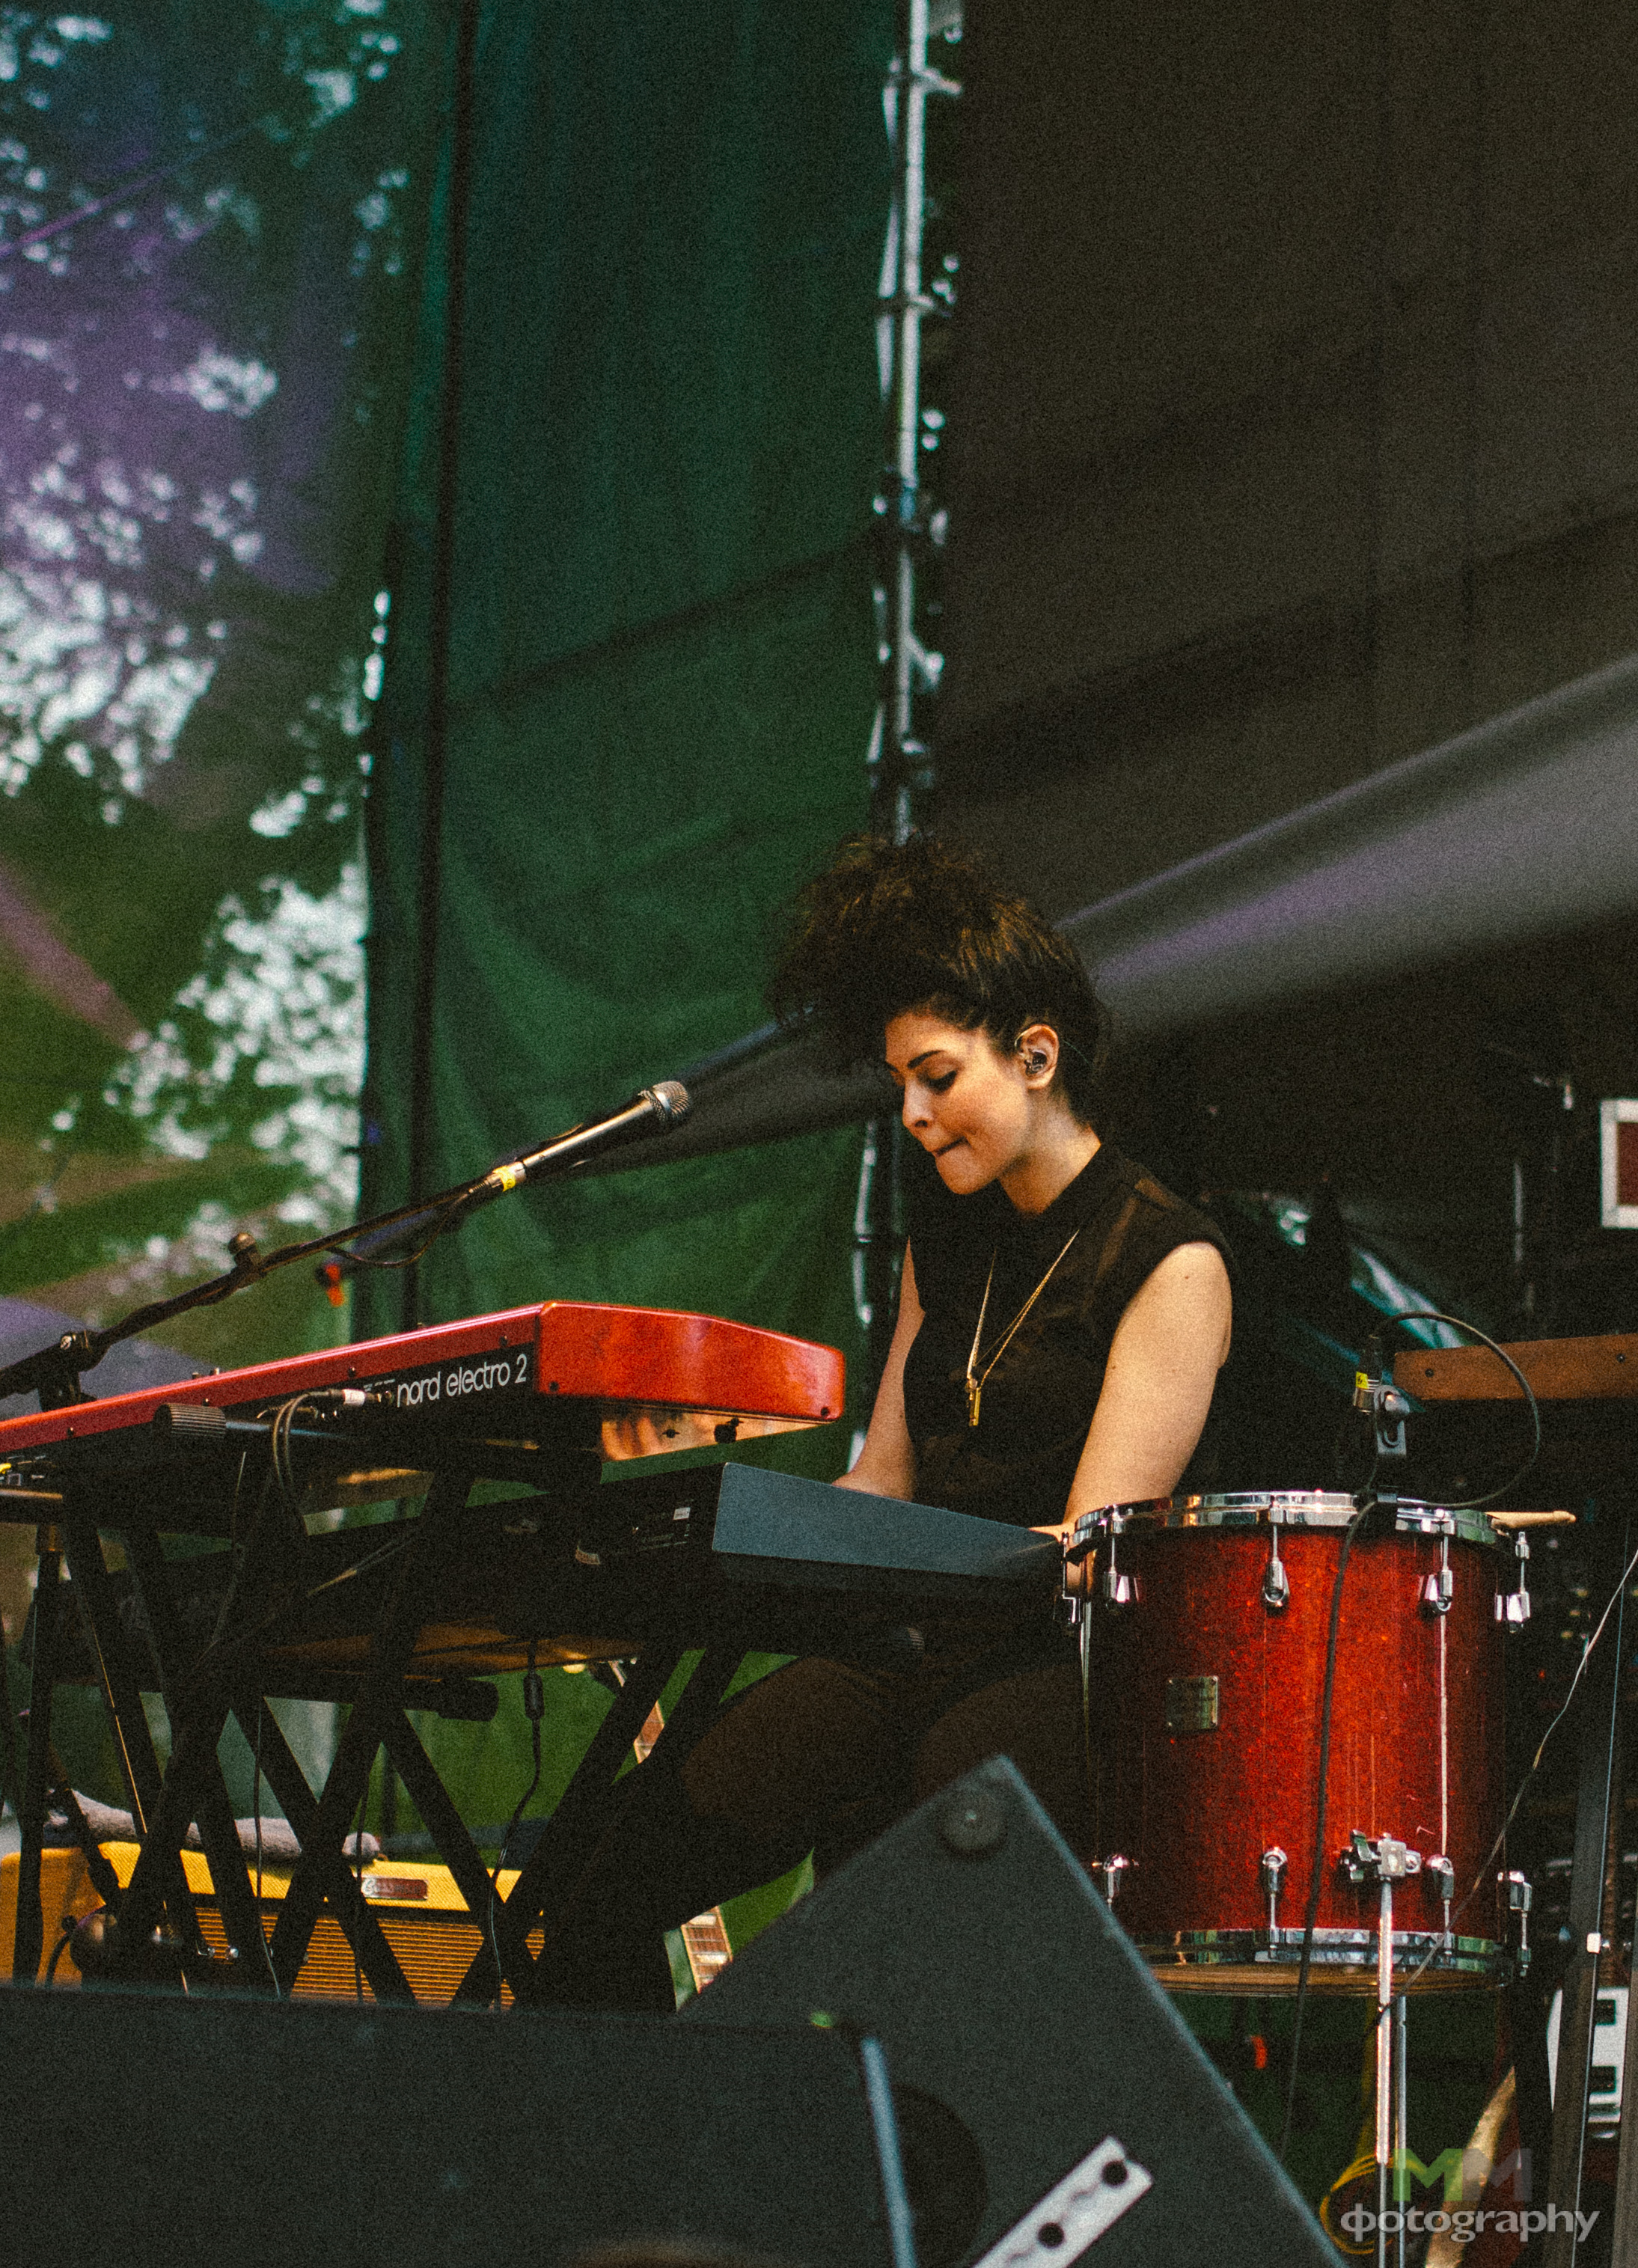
1191, 1704
1276, 1587
1109, 1871
1519, 1895
1513, 1606
1387, 1861
1376, 1397
1441, 1871
1201, 1913
1383, 1860
1270, 1872
1118, 1590
1439, 1590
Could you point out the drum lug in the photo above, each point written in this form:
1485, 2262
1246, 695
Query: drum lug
1441, 1871
1440, 1589
1513, 1606
1108, 1872
1519, 1894
1270, 1872
1118, 1590
1276, 1587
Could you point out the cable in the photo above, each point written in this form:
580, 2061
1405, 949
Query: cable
1457, 1324
1535, 1762
1365, 1500
60, 1948
1312, 1915
534, 1710
443, 1219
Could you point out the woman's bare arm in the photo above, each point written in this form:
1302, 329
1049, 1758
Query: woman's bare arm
1163, 1362
886, 1463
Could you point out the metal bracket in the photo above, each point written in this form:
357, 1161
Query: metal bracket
1072, 2215
1519, 1898
1384, 1860
1110, 1870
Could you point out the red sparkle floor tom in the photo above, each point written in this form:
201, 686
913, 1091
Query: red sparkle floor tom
1207, 1627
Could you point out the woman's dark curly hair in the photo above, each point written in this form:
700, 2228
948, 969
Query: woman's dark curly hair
891, 926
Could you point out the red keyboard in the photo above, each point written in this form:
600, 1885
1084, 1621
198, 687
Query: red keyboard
660, 1381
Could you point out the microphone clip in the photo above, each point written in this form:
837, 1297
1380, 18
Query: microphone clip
1376, 1397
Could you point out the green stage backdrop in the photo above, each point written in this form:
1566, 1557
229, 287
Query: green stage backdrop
660, 675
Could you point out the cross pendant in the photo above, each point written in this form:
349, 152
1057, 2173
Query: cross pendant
974, 1391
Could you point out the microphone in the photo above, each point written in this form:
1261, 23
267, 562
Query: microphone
654, 1110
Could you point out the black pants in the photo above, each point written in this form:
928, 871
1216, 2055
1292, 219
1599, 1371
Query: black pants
822, 1755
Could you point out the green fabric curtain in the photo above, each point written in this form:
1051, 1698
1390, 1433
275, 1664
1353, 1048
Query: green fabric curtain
661, 675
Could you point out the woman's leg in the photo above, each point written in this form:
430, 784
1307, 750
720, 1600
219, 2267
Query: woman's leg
817, 1751
1033, 1716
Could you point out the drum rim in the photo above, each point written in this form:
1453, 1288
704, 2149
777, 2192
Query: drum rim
1319, 1509
1332, 1949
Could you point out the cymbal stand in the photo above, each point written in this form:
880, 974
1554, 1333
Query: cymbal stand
1597, 1800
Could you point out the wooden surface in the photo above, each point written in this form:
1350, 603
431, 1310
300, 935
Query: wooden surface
1559, 1370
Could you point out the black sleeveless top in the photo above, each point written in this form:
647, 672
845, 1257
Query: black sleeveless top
1037, 1402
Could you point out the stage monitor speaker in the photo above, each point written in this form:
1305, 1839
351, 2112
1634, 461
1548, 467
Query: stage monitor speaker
161, 2132
1051, 2102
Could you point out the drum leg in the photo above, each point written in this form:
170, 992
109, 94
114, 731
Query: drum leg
1401, 2121
1384, 2065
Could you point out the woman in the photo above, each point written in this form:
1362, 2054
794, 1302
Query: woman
1061, 1322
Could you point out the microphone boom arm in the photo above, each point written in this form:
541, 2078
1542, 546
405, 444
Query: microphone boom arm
54, 1372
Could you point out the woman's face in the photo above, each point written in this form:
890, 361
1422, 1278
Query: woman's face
971, 1107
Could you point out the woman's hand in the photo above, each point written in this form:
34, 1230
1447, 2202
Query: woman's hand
886, 1463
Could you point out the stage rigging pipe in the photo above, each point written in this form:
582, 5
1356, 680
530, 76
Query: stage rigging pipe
899, 763
436, 735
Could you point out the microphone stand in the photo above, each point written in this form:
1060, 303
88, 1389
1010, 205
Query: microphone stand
54, 1372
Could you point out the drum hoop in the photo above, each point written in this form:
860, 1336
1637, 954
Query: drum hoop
1336, 1948
1251, 1508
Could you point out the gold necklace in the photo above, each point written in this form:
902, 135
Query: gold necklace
975, 1376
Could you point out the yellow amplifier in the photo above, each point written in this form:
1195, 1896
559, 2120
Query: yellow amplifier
422, 1914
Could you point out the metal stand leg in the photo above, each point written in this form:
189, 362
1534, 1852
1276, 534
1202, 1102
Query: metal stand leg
1401, 2121
1386, 1862
1384, 2065
28, 1942
1624, 2230
1598, 1790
